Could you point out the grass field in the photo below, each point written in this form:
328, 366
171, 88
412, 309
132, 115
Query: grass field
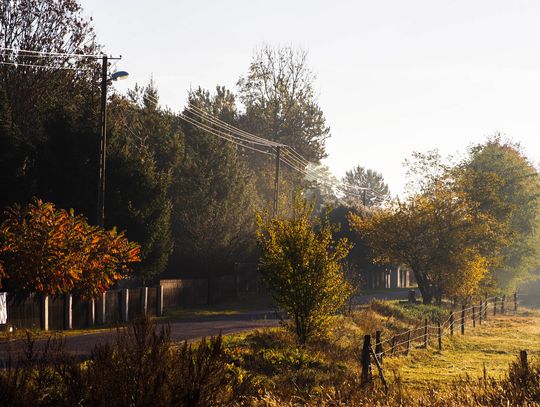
493, 345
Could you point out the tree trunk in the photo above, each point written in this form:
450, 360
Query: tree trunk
423, 286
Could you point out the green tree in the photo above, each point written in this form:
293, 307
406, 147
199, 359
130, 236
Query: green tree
214, 199
280, 104
365, 186
32, 93
301, 266
144, 157
279, 97
506, 187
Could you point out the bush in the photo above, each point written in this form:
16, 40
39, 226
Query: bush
301, 265
141, 368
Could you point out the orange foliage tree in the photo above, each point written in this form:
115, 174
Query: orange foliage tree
54, 251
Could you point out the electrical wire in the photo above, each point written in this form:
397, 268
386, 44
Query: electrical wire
17, 64
48, 53
295, 161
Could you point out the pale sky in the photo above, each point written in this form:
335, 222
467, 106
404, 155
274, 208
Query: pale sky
393, 77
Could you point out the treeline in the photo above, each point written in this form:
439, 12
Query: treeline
187, 197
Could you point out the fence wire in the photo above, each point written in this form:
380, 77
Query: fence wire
457, 318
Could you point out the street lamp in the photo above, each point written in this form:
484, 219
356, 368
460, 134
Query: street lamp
105, 79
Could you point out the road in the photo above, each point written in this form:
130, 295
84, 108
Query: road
189, 329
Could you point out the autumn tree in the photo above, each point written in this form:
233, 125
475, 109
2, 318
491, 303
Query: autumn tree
301, 266
440, 236
54, 251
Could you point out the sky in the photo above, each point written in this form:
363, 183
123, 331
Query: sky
392, 77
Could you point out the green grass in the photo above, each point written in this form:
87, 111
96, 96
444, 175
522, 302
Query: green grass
245, 303
273, 358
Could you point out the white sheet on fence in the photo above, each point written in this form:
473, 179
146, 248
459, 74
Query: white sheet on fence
3, 308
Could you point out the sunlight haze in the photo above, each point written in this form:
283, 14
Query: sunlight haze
393, 77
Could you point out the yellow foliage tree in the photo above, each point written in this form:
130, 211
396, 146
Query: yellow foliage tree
301, 266
53, 251
439, 235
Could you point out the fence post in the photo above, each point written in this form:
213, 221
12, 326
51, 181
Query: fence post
495, 306
462, 319
102, 308
365, 360
379, 367
439, 334
124, 305
486, 308
91, 312
524, 362
515, 301
474, 316
503, 303
408, 344
68, 311
144, 301
378, 346
452, 324
44, 312
481, 313
425, 334
159, 301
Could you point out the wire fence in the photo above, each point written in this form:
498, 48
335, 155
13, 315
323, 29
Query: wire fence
433, 332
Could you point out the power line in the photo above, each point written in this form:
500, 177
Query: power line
17, 64
237, 136
50, 54
232, 128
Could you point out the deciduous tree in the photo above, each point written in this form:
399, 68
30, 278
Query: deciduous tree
301, 265
53, 251
440, 236
506, 186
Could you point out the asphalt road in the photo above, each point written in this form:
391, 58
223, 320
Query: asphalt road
82, 345
188, 329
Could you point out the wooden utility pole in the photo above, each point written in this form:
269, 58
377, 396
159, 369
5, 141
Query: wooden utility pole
276, 182
102, 143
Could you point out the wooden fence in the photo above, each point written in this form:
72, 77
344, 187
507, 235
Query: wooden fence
122, 305
431, 333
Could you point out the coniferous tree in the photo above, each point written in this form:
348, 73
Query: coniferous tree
214, 196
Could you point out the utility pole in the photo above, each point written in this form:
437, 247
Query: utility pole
103, 144
276, 184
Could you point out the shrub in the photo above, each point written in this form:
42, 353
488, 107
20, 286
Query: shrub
301, 266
